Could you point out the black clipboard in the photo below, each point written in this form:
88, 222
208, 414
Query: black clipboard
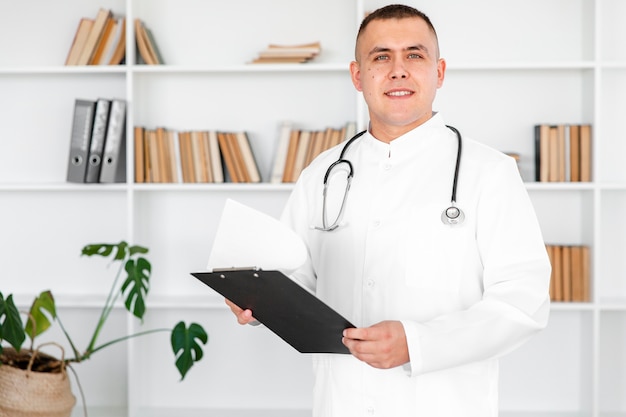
283, 306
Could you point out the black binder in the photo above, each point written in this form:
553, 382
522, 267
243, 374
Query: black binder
283, 306
113, 166
82, 125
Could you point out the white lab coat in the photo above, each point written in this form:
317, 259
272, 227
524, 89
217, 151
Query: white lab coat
466, 295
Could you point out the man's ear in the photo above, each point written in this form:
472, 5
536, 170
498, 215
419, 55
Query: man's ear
441, 71
355, 74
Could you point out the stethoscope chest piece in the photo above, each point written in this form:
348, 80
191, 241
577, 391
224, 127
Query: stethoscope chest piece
452, 216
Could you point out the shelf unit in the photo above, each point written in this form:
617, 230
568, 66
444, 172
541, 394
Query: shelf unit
511, 65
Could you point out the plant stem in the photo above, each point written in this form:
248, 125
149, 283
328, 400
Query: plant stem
106, 310
87, 354
67, 336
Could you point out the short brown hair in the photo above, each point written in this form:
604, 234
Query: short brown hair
395, 11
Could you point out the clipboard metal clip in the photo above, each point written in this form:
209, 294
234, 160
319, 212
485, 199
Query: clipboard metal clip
239, 268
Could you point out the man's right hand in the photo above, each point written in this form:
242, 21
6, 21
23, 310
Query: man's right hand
243, 316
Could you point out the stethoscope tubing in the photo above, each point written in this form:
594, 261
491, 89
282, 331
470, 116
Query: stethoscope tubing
450, 216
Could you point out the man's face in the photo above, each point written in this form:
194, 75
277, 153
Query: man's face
399, 71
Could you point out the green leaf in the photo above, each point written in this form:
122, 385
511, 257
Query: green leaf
137, 249
11, 328
43, 303
186, 347
136, 285
106, 249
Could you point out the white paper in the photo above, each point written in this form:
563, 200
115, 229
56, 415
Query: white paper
249, 238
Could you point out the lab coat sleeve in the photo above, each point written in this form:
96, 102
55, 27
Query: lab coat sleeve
515, 303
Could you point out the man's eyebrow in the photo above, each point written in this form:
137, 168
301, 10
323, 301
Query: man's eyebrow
418, 47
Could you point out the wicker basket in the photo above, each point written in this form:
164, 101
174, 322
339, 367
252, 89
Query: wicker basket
26, 393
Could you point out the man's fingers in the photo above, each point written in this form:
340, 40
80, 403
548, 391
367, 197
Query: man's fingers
243, 316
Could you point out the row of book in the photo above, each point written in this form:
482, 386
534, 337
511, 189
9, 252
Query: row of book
98, 141
569, 281
297, 148
562, 153
102, 41
285, 54
209, 156
168, 156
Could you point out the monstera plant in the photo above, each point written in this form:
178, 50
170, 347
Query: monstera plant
132, 282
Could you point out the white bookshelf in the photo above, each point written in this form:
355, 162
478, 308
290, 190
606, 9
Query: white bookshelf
511, 64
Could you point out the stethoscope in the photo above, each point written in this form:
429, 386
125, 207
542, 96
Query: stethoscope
452, 215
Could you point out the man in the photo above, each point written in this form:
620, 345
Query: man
435, 304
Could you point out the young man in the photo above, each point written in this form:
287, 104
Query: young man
435, 303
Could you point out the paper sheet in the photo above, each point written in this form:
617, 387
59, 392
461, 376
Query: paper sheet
249, 238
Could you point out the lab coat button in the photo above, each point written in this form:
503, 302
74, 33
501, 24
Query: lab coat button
370, 283
370, 411
387, 166
376, 223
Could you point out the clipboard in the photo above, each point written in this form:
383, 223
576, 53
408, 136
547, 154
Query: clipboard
287, 309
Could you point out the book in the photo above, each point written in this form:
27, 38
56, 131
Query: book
562, 154
80, 38
237, 153
154, 50
82, 125
206, 155
105, 38
300, 157
292, 150
228, 156
140, 169
216, 157
98, 136
175, 160
111, 43
574, 141
585, 153
114, 156
288, 53
569, 280
94, 36
186, 157
249, 162
199, 157
119, 52
280, 154
145, 48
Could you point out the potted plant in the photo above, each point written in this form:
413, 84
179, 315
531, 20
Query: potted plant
35, 384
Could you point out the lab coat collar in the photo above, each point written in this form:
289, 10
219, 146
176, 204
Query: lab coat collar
416, 140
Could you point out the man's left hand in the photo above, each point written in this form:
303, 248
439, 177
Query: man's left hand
382, 345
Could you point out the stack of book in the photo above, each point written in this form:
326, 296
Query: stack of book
563, 153
167, 156
569, 281
99, 41
148, 52
98, 142
288, 53
102, 41
297, 148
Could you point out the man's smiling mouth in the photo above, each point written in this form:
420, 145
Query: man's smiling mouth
399, 93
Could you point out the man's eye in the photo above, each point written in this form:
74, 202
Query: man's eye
414, 56
381, 58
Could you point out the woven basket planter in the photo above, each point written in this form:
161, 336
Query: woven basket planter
27, 393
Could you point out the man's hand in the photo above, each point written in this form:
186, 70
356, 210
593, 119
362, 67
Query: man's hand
243, 316
382, 345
